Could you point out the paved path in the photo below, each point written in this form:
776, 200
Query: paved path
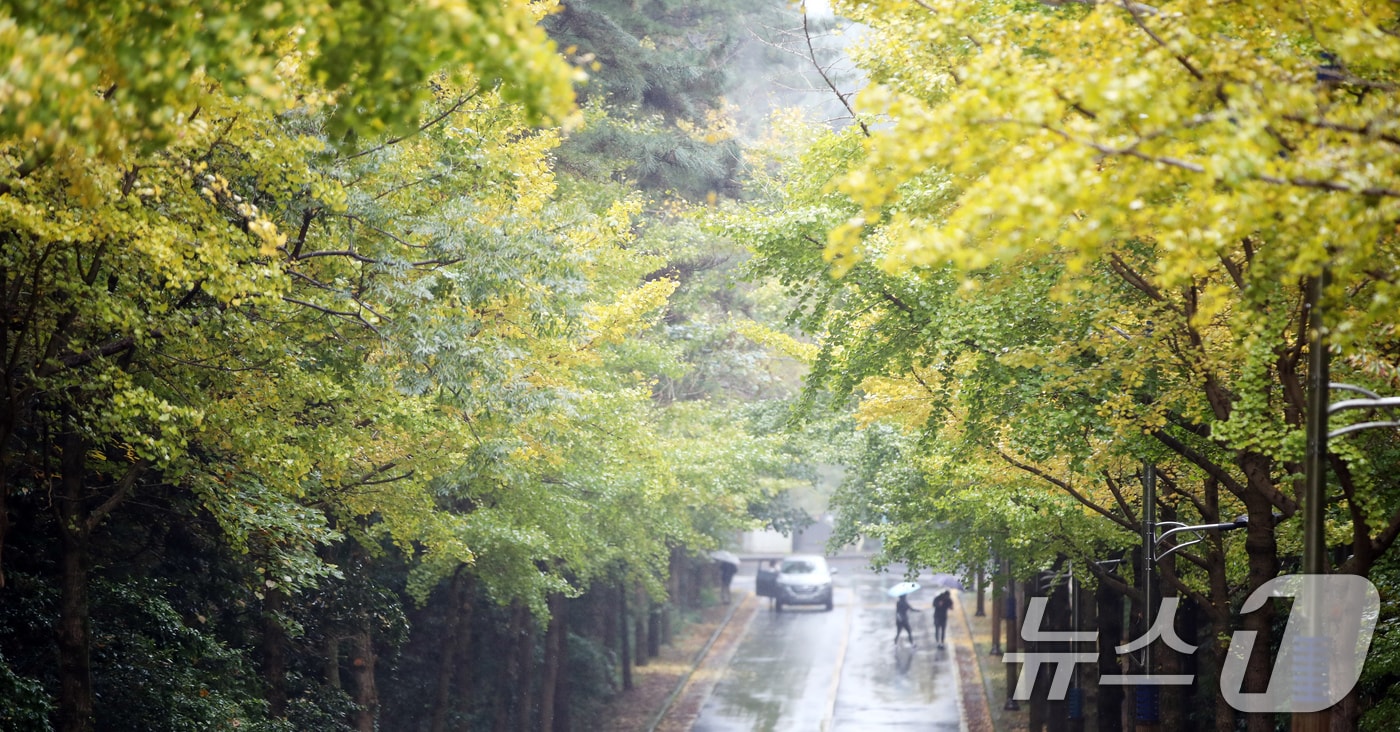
837, 672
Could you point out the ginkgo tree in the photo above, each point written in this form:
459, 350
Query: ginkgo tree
313, 296
1137, 199
1215, 171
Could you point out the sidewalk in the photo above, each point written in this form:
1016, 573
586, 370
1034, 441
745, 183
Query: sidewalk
983, 677
667, 692
708, 665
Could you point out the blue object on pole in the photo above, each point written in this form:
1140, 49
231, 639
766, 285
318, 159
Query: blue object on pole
1009, 610
1310, 659
1076, 703
1149, 707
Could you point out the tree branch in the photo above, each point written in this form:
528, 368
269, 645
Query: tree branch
396, 140
812, 53
124, 486
1067, 488
1201, 461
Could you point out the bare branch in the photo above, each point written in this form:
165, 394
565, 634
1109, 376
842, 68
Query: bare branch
396, 140
812, 52
124, 486
1067, 488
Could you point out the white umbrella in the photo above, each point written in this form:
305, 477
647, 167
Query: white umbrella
721, 555
903, 588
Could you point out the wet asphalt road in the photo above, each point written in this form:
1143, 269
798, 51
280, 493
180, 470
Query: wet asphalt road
808, 670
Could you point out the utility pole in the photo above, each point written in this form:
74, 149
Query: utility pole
1314, 508
1013, 638
1147, 694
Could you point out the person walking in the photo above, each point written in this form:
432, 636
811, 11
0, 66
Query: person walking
766, 582
941, 605
901, 619
726, 576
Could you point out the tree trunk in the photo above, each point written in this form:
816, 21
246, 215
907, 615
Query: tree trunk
563, 690
654, 630
1346, 714
980, 584
442, 698
466, 679
1110, 616
332, 662
626, 651
511, 674
4, 505
1088, 682
997, 601
274, 653
607, 612
75, 712
553, 652
74, 663
1219, 650
524, 688
1219, 611
366, 694
1263, 566
1057, 710
1169, 660
639, 627
1038, 708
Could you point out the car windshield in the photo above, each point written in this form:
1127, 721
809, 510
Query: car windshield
799, 566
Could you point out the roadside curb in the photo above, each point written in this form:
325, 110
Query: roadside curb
683, 696
972, 689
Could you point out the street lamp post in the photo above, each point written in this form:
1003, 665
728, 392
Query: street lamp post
1314, 482
1146, 694
1012, 639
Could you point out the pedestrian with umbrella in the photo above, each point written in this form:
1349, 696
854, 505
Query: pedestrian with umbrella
728, 567
941, 605
902, 609
766, 582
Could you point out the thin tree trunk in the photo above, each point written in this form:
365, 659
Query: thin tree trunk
997, 602
1037, 711
332, 662
1262, 551
75, 711
640, 628
466, 679
366, 693
626, 652
654, 630
4, 505
553, 657
980, 583
511, 674
442, 699
1169, 659
274, 653
524, 689
1088, 682
607, 612
563, 693
1110, 617
1219, 611
1346, 714
1219, 650
1057, 710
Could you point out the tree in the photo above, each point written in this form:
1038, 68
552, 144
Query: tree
1173, 192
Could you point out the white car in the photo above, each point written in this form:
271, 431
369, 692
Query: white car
804, 579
